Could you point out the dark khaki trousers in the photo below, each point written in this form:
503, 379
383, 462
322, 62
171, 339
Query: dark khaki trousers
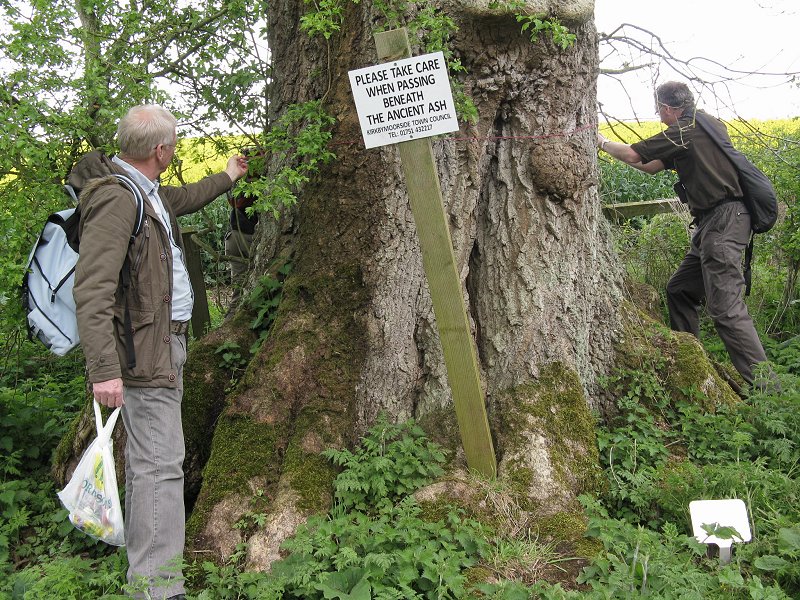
712, 272
238, 244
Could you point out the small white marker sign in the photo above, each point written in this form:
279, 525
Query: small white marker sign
404, 100
729, 515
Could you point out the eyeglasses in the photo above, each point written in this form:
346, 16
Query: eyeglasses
660, 105
175, 145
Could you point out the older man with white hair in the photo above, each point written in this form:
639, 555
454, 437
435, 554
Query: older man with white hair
148, 383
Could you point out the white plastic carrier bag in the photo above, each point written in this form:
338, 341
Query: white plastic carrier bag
92, 496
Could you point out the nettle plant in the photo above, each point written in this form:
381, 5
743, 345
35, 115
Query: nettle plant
376, 542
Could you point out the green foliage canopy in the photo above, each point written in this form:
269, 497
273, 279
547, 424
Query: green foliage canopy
68, 72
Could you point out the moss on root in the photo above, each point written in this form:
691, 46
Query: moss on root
562, 526
679, 359
309, 473
521, 478
567, 531
243, 451
205, 386
294, 400
554, 407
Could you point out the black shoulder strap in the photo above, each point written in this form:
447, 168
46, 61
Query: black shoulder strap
747, 269
125, 275
724, 143
702, 121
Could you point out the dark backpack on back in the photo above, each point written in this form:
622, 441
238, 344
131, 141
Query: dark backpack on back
759, 194
50, 275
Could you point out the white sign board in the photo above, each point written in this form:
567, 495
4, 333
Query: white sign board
404, 100
715, 514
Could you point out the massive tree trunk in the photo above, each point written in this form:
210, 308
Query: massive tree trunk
355, 333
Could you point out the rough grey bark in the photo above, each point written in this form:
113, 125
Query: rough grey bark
520, 190
357, 335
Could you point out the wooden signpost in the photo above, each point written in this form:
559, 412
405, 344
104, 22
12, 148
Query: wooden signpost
411, 93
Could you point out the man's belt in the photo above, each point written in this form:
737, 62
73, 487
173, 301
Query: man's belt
699, 215
179, 327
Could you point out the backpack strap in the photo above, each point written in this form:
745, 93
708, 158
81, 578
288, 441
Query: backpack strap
130, 351
747, 271
134, 189
71, 191
125, 274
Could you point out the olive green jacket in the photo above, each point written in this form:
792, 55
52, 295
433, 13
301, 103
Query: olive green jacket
108, 215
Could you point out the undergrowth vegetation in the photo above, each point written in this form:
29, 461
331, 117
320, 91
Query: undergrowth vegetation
378, 541
658, 448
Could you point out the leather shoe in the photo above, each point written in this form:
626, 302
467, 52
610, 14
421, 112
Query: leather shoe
177, 597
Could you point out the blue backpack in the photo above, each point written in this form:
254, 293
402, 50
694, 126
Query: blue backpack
50, 275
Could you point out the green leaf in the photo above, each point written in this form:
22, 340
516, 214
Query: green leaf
769, 562
723, 532
732, 577
789, 541
7, 497
350, 584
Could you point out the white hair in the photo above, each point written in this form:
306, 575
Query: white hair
143, 128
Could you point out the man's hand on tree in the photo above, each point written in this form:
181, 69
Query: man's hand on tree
236, 167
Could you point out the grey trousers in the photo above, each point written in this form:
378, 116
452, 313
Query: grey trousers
154, 511
712, 271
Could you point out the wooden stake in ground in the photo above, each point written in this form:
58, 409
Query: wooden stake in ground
425, 197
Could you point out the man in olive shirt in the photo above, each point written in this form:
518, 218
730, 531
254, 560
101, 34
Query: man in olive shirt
711, 270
